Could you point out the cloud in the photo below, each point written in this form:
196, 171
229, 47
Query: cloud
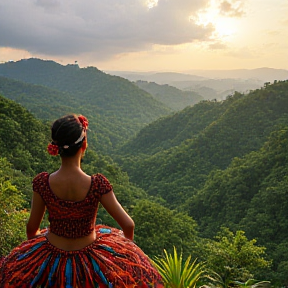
245, 53
231, 8
103, 28
218, 46
284, 22
48, 4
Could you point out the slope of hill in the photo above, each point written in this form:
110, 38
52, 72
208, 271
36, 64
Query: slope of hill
45, 103
251, 195
171, 131
23, 138
242, 126
170, 96
122, 107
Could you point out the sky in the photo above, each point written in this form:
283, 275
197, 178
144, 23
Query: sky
147, 35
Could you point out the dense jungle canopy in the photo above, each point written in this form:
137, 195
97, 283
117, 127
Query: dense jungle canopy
192, 178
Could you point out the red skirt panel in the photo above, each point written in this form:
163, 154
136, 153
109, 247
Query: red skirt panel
110, 261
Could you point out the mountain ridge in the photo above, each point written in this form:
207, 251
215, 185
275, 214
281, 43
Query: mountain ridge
125, 107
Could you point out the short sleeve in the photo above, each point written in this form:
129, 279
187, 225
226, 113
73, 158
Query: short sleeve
38, 183
102, 184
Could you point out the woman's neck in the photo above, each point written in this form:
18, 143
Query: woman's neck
71, 163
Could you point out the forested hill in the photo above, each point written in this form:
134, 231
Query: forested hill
231, 171
43, 102
172, 130
174, 98
23, 138
118, 108
227, 129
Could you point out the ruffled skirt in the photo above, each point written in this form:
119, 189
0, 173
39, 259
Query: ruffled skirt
110, 261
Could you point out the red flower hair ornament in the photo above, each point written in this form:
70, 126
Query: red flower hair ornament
53, 149
84, 121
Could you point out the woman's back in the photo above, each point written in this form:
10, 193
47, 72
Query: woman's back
71, 185
72, 207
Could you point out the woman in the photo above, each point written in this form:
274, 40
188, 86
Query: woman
73, 252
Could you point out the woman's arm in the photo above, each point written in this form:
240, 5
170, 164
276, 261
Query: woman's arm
36, 215
114, 208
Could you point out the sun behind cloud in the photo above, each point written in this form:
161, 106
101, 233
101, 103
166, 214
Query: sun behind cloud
224, 18
151, 3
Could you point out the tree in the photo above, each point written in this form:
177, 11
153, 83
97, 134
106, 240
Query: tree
233, 257
12, 215
158, 228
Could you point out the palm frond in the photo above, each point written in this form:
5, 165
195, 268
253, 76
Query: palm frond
177, 275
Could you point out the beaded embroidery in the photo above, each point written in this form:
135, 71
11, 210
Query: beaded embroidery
72, 219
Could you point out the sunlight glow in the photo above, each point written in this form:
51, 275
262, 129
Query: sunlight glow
151, 3
224, 26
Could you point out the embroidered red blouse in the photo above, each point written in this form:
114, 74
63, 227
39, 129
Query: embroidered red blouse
67, 218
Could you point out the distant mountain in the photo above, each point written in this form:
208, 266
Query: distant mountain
221, 87
172, 97
211, 84
116, 107
262, 74
158, 77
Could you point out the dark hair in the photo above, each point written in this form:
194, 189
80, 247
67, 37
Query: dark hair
64, 132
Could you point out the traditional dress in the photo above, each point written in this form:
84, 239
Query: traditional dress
110, 261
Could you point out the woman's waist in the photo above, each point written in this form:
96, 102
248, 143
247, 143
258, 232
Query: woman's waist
72, 228
71, 244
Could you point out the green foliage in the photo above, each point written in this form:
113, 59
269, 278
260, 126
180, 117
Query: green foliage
176, 274
23, 139
253, 283
233, 257
158, 228
12, 214
251, 195
228, 195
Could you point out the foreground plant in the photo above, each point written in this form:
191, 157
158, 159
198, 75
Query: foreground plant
177, 275
253, 283
216, 281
